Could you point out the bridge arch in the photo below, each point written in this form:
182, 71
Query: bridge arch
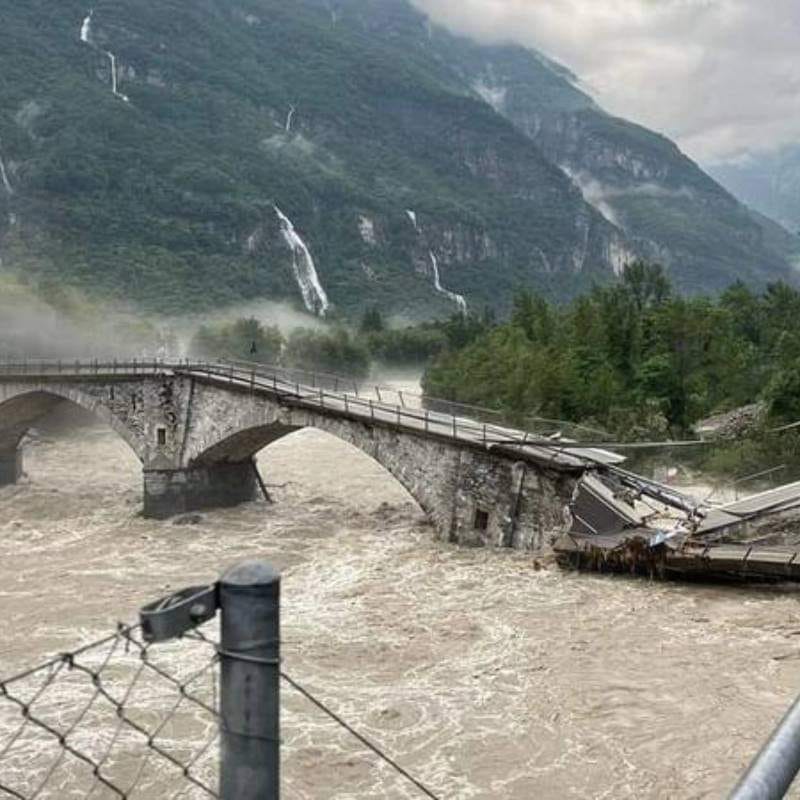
223, 434
411, 461
21, 406
470, 493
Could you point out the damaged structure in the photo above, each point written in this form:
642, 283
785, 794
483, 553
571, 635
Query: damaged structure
619, 521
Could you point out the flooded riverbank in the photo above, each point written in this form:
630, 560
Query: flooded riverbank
485, 675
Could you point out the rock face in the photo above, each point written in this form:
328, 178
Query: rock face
666, 208
346, 115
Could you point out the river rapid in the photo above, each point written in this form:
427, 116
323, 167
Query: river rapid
486, 674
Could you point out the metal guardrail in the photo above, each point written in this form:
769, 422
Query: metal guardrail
286, 382
405, 398
452, 426
383, 393
379, 410
774, 769
739, 482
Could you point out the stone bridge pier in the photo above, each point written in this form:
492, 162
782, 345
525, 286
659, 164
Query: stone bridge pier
168, 492
10, 465
197, 437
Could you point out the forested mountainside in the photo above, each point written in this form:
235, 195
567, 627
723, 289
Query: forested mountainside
339, 153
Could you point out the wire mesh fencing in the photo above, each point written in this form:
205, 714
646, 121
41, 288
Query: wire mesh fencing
118, 718
147, 712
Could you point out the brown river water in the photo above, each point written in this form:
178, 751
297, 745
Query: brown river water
484, 673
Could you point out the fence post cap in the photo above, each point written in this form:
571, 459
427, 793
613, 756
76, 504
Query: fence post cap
251, 573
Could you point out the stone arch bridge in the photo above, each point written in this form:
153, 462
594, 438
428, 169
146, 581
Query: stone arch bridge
196, 428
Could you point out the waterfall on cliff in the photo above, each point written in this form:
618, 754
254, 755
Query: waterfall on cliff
4, 177
112, 58
305, 271
86, 34
437, 283
86, 28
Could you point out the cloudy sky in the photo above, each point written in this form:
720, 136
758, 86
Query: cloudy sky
722, 77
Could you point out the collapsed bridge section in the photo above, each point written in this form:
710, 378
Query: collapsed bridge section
624, 523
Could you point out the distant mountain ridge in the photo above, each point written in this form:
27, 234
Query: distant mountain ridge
669, 209
337, 153
768, 182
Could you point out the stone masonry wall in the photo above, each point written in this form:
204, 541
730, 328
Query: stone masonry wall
171, 492
522, 505
196, 441
136, 409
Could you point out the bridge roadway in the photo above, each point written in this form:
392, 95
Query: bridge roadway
196, 427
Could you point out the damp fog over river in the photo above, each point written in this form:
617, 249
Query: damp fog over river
486, 674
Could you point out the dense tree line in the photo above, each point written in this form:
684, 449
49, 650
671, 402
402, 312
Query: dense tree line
333, 350
336, 348
634, 358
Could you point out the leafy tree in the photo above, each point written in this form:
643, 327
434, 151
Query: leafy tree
413, 345
647, 284
533, 315
372, 321
783, 394
633, 358
336, 352
244, 339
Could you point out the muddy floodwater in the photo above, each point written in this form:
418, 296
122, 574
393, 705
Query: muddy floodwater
484, 673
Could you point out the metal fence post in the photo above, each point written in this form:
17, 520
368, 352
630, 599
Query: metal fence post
249, 596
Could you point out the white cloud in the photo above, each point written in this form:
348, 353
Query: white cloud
722, 77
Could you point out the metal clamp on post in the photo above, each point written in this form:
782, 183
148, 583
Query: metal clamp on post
173, 616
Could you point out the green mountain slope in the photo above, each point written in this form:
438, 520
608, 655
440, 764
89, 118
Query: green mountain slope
335, 154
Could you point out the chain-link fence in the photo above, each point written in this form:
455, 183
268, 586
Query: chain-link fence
184, 705
118, 718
